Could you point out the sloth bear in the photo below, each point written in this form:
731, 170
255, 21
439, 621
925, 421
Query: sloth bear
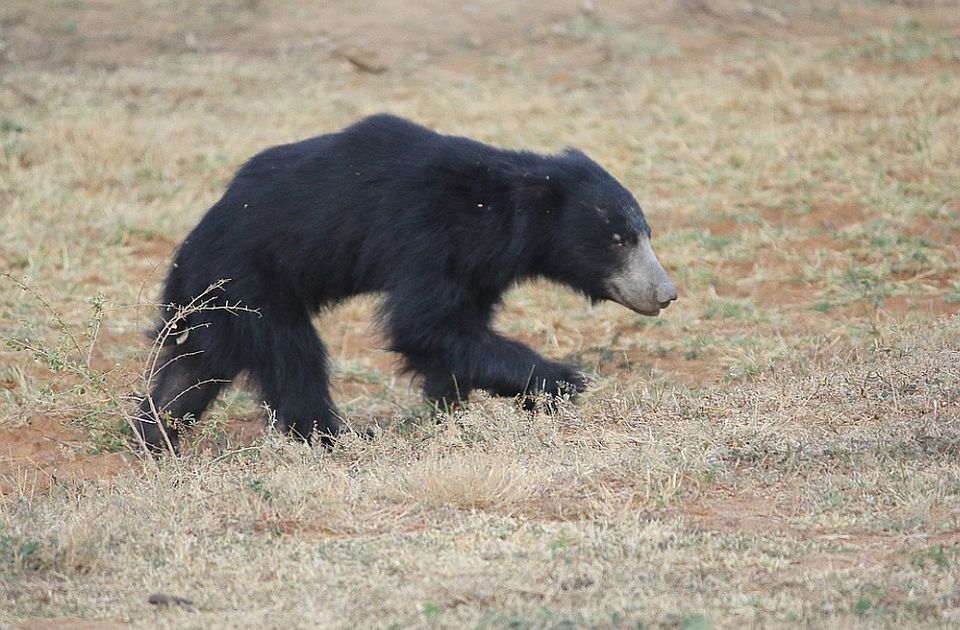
440, 225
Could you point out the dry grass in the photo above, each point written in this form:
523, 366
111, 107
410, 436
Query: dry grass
781, 448
825, 498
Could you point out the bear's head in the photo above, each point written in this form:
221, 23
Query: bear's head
598, 240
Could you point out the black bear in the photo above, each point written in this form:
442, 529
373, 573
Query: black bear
440, 225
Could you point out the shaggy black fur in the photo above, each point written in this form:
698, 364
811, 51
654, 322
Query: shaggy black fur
441, 225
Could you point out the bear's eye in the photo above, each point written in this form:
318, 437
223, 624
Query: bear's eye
622, 240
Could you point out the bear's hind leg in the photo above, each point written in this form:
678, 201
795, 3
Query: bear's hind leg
289, 363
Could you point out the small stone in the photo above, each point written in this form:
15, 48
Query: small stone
163, 599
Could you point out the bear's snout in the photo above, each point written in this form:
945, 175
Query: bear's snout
642, 284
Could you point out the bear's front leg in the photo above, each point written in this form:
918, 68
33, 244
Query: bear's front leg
493, 363
455, 351
503, 367
555, 379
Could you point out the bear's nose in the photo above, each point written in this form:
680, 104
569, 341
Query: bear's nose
666, 293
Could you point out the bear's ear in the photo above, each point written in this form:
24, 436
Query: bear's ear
538, 192
576, 155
